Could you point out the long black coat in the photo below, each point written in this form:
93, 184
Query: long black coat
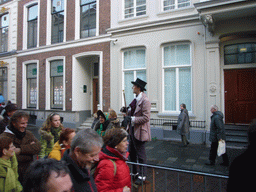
183, 122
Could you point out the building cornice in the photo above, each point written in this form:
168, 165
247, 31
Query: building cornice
153, 24
66, 45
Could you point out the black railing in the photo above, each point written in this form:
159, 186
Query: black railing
172, 122
167, 179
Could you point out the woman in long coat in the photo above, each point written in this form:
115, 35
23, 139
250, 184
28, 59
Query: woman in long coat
183, 124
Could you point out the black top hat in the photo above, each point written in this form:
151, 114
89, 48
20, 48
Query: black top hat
140, 84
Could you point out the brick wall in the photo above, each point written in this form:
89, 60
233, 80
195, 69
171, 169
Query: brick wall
68, 53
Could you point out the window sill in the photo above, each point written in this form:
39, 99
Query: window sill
173, 11
174, 114
137, 18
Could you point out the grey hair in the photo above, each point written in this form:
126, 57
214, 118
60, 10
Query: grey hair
214, 107
86, 140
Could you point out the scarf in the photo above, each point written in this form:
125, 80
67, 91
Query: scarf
55, 132
100, 130
133, 106
11, 182
17, 133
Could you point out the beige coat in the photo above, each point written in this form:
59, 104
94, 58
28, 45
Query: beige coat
142, 117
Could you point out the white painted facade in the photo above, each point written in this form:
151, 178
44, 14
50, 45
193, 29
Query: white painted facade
186, 25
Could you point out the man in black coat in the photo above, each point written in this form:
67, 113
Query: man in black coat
243, 168
84, 151
217, 133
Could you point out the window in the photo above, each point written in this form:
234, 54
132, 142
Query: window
57, 21
31, 85
175, 4
177, 76
133, 8
134, 67
4, 32
57, 84
32, 25
3, 82
88, 18
240, 53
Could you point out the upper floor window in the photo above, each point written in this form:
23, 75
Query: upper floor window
240, 53
4, 1
177, 76
57, 21
175, 4
88, 18
134, 67
4, 25
31, 85
32, 25
133, 8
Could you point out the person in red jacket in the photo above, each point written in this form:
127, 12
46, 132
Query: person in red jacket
112, 173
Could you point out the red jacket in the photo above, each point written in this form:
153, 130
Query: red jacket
105, 178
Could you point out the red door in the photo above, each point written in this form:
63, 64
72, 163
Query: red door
240, 95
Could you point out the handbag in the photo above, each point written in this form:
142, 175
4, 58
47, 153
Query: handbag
221, 147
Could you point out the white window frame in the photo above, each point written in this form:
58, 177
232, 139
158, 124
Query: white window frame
176, 6
176, 67
25, 24
77, 19
24, 83
48, 82
49, 23
135, 70
135, 8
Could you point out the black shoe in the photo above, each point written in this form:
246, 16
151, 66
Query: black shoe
139, 180
225, 164
209, 163
134, 176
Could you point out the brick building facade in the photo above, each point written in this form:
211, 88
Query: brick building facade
67, 68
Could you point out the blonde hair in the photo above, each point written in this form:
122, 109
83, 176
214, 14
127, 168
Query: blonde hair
112, 113
47, 124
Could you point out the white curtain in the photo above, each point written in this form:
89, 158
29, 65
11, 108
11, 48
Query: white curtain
185, 87
170, 89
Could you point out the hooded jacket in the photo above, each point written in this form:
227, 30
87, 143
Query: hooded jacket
47, 142
106, 179
9, 175
217, 130
81, 178
183, 122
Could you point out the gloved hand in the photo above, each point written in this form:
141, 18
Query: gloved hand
124, 109
126, 121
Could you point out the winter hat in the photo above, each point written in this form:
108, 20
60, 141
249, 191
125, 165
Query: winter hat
9, 108
100, 113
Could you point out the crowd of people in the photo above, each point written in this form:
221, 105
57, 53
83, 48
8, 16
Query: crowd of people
94, 159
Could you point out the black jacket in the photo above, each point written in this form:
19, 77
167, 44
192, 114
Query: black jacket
82, 180
3, 124
241, 172
217, 130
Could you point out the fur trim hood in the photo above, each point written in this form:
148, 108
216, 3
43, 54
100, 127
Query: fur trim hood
45, 134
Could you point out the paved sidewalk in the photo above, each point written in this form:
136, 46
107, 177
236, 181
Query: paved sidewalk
193, 157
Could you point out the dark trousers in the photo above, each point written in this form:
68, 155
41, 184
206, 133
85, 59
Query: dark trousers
184, 140
213, 153
137, 154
